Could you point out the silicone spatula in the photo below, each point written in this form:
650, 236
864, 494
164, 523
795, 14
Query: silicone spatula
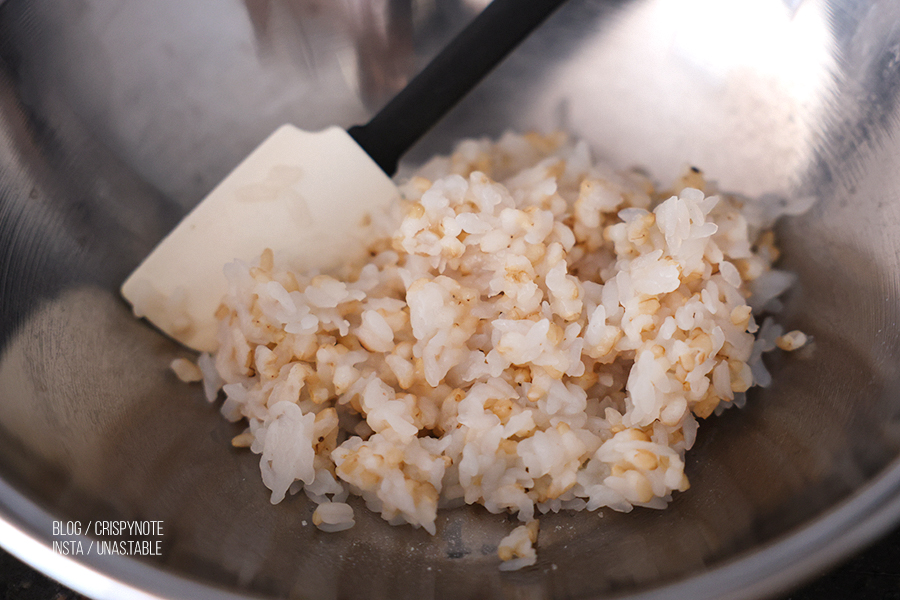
306, 195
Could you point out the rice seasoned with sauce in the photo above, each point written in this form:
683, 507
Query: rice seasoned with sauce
534, 332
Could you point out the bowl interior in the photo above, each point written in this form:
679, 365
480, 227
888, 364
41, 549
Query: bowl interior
115, 117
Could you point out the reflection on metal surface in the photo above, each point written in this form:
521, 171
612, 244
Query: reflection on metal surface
116, 116
680, 80
381, 31
477, 4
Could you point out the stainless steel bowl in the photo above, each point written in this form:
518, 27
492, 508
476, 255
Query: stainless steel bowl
115, 117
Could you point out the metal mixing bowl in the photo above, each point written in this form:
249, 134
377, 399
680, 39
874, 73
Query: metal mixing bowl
117, 116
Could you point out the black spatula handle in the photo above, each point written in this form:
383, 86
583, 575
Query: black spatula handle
456, 70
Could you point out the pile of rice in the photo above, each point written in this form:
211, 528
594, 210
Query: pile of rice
535, 332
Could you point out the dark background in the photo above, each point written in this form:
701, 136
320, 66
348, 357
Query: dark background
872, 575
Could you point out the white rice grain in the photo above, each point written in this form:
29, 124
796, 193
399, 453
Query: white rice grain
333, 516
186, 371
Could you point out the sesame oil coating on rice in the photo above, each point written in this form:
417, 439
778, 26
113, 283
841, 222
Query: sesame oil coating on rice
538, 333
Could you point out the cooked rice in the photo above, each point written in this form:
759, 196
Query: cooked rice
185, 370
333, 516
792, 340
517, 549
538, 333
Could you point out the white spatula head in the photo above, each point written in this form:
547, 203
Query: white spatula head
305, 195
